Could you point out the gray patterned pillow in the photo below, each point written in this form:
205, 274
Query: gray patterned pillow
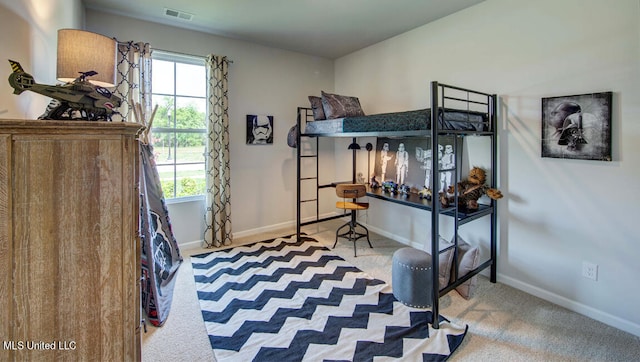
337, 106
468, 259
292, 137
316, 107
444, 263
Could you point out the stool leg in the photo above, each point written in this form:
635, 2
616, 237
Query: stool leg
352, 234
338, 233
367, 230
355, 255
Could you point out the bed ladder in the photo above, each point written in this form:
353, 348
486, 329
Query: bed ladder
305, 112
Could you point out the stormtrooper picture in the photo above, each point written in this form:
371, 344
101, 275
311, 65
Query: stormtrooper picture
402, 164
259, 129
447, 163
410, 162
423, 155
385, 157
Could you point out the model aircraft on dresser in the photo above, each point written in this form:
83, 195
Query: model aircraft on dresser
79, 99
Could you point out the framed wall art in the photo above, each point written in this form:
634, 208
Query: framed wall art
409, 161
259, 129
577, 127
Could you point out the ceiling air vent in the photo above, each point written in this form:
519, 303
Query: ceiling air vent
178, 14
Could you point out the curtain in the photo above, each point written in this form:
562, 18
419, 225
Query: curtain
218, 175
134, 79
160, 254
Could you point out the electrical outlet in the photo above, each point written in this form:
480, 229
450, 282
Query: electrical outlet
590, 270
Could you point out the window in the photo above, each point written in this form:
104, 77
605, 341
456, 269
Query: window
179, 87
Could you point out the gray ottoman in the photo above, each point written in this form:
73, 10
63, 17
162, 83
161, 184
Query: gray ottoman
411, 277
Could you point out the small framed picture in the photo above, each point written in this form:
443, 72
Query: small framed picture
259, 129
577, 127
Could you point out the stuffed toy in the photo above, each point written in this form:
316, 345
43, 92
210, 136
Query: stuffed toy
470, 190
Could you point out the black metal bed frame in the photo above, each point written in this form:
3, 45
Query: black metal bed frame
440, 97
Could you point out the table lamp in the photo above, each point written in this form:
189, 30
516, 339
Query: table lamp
82, 51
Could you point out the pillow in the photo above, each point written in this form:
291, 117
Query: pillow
468, 259
316, 107
444, 263
337, 106
292, 136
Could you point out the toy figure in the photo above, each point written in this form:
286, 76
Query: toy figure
404, 189
470, 190
374, 182
390, 187
79, 99
425, 193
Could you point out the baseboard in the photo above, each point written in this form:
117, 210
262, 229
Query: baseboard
251, 232
264, 229
572, 305
275, 227
196, 244
394, 237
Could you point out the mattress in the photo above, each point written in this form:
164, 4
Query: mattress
401, 121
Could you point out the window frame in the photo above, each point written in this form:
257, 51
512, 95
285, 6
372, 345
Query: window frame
178, 58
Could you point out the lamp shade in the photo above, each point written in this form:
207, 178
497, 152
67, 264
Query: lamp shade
83, 51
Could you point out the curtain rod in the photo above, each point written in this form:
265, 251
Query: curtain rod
187, 54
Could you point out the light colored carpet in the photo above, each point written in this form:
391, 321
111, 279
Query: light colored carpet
504, 324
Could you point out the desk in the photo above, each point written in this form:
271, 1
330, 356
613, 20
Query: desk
413, 200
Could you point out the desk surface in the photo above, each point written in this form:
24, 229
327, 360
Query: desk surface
413, 200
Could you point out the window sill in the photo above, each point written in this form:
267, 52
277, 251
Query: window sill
179, 200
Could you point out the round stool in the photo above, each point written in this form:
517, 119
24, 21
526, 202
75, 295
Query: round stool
411, 277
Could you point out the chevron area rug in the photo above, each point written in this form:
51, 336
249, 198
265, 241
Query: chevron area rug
294, 300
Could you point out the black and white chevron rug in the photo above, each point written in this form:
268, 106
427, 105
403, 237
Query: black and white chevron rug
289, 300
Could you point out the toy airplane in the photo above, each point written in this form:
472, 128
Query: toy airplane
92, 102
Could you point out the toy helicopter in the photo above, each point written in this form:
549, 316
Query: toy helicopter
92, 102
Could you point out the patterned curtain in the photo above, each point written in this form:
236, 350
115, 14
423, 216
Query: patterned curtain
218, 174
134, 79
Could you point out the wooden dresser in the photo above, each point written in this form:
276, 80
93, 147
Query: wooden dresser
69, 245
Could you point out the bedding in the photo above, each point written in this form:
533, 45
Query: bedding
468, 260
316, 108
338, 106
444, 263
416, 120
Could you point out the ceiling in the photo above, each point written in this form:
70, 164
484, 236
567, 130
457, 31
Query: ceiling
326, 28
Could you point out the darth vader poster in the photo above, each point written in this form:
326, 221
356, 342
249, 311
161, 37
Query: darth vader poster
577, 127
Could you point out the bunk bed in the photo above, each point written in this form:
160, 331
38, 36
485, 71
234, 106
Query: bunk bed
459, 112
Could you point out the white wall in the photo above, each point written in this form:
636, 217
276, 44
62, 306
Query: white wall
557, 213
262, 80
29, 36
